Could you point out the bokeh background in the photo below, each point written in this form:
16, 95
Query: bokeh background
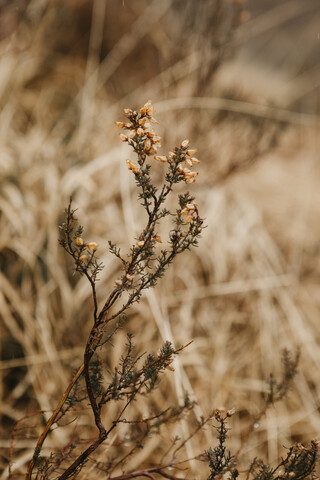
241, 81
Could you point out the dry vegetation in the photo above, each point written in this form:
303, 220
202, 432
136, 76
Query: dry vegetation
67, 69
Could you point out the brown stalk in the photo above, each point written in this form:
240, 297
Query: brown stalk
51, 422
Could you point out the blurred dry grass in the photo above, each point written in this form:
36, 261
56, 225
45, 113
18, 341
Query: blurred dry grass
251, 288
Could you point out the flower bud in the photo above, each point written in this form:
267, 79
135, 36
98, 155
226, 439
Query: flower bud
123, 137
142, 121
145, 108
147, 105
191, 152
119, 124
231, 412
220, 410
79, 241
92, 245
140, 243
195, 161
157, 238
184, 144
161, 158
147, 145
190, 206
132, 166
83, 258
132, 133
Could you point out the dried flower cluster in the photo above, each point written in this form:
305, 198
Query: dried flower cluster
139, 125
145, 142
188, 225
